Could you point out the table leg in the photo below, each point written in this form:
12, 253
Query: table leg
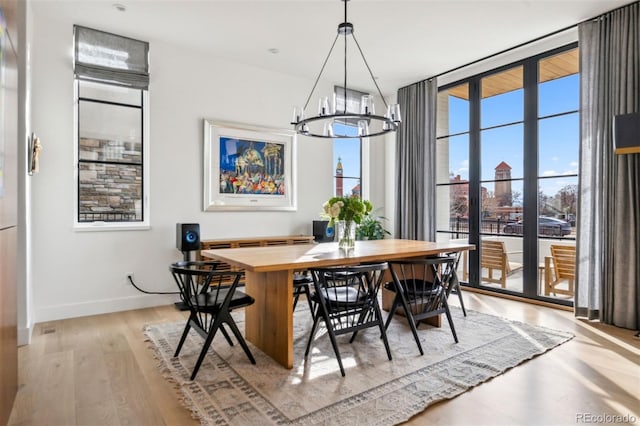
269, 321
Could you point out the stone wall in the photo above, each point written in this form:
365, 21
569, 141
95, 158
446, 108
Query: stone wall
110, 181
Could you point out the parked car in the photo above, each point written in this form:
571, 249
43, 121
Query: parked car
546, 226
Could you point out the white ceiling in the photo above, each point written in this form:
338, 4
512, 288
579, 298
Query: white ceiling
404, 41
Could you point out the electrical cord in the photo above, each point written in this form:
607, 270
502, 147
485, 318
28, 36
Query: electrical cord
149, 292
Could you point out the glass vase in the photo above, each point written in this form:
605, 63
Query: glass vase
346, 235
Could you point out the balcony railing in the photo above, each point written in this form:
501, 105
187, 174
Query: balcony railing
111, 216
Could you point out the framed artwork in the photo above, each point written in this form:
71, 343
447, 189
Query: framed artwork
248, 167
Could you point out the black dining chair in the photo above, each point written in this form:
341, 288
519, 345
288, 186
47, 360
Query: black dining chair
301, 284
210, 300
421, 288
454, 285
346, 299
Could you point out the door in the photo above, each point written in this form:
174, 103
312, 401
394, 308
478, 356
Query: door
8, 211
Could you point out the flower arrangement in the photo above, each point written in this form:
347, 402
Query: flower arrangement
350, 209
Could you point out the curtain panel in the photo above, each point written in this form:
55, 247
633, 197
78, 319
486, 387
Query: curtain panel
415, 162
608, 239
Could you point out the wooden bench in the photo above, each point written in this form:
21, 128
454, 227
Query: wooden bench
250, 242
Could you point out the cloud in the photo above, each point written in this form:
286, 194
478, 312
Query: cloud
573, 164
549, 173
555, 158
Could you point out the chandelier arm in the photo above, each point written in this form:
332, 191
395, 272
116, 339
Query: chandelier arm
321, 70
370, 72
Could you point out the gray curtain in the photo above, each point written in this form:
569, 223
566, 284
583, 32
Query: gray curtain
415, 162
608, 243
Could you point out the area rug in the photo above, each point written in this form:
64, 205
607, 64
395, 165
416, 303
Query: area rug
229, 390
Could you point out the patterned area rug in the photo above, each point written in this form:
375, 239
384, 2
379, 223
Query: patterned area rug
376, 391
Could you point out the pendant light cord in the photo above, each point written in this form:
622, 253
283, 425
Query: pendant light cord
345, 57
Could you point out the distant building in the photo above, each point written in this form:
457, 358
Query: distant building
355, 191
503, 185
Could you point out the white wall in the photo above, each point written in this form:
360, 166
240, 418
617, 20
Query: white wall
83, 273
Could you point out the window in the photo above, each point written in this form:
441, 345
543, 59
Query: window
347, 152
111, 102
507, 149
347, 160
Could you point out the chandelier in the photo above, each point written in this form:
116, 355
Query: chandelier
368, 123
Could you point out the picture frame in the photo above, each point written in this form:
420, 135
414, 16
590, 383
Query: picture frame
248, 168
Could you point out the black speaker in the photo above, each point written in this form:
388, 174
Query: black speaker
626, 133
187, 236
322, 232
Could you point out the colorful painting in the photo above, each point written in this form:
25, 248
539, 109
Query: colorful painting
251, 167
248, 168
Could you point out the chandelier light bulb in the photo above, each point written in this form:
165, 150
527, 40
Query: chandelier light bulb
298, 114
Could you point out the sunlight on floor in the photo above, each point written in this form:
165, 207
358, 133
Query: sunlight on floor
609, 337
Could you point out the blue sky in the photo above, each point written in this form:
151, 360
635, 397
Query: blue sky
558, 136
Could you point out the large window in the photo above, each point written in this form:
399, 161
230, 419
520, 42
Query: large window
347, 162
507, 149
110, 153
111, 105
347, 152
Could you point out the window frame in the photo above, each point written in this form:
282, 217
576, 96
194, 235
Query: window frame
145, 223
531, 120
364, 164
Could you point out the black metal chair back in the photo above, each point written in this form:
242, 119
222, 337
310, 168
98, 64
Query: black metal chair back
346, 299
421, 289
454, 284
210, 299
301, 284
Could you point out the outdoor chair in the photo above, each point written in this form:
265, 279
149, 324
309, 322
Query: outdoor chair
560, 268
421, 288
494, 257
346, 299
210, 301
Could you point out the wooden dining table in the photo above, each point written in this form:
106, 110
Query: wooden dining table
269, 280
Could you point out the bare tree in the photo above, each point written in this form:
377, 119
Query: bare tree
568, 198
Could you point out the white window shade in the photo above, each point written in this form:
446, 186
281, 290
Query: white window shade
353, 98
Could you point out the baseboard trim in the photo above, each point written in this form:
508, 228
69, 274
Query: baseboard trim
24, 336
74, 310
517, 298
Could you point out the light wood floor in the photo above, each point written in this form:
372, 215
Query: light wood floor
98, 371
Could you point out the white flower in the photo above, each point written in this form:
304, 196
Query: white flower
334, 210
